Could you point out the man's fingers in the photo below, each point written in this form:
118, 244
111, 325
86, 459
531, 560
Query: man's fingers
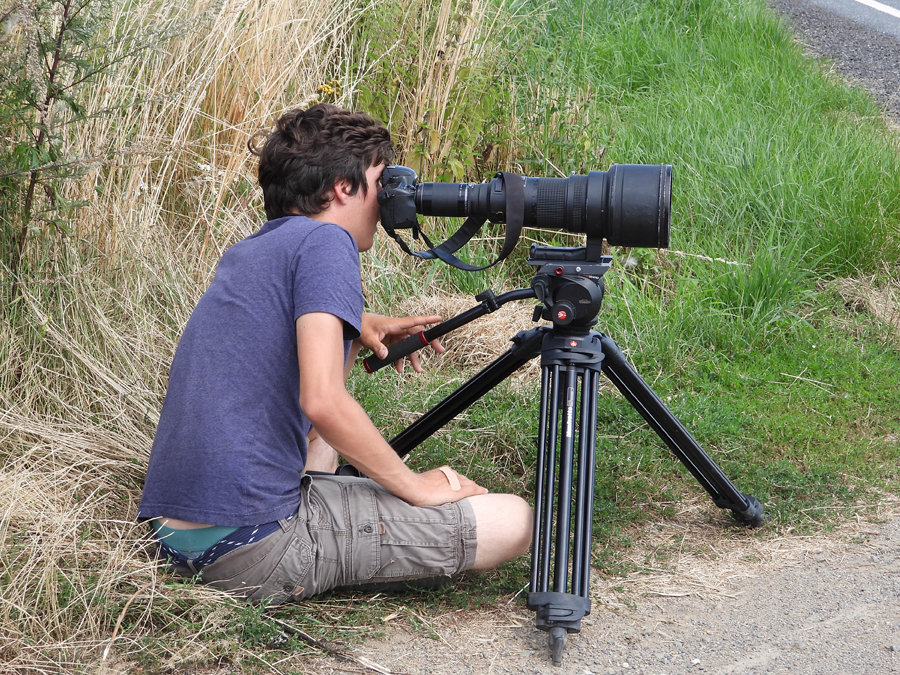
418, 321
415, 363
437, 488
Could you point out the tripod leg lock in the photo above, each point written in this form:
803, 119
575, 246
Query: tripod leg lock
559, 609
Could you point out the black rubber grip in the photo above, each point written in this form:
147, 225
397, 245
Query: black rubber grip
396, 352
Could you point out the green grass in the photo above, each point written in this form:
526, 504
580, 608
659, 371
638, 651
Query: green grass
761, 139
801, 415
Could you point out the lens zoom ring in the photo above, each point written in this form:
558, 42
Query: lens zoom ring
579, 183
551, 199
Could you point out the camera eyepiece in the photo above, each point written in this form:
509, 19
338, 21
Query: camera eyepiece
629, 205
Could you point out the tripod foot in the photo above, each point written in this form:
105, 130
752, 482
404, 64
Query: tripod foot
753, 515
557, 642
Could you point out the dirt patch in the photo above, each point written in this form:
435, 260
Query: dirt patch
725, 603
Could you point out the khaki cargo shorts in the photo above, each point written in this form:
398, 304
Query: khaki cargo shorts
348, 531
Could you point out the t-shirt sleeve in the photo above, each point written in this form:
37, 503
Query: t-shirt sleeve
326, 277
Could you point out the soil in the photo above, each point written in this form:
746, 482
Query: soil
727, 601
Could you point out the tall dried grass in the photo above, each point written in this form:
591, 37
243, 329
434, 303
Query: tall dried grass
84, 354
179, 151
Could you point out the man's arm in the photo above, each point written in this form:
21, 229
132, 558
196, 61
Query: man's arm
377, 333
344, 425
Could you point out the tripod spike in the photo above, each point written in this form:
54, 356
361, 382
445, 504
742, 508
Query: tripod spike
557, 641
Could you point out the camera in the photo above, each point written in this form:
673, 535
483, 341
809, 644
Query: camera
628, 205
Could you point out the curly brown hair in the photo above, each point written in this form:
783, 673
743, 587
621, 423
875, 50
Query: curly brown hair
311, 150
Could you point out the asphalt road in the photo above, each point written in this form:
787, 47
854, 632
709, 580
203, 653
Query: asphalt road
862, 41
881, 16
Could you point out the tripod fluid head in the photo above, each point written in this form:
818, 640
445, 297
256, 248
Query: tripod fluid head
569, 283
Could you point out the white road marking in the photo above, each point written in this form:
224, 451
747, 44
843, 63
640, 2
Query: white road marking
880, 7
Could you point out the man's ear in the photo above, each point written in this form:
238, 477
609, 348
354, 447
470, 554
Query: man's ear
341, 191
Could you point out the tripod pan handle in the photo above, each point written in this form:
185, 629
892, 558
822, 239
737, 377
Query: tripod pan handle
397, 351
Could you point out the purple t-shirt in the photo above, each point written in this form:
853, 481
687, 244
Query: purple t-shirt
231, 442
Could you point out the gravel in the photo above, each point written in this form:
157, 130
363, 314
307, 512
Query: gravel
864, 57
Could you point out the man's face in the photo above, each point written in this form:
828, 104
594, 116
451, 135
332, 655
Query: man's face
368, 214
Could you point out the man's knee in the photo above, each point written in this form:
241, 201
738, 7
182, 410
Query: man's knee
504, 526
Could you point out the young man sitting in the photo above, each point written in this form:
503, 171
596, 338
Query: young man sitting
257, 398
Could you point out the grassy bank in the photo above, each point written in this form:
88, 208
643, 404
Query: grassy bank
770, 327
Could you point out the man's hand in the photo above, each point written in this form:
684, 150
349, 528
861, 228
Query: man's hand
379, 332
443, 485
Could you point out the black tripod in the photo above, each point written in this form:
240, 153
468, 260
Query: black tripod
569, 284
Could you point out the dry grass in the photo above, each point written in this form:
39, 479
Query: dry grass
84, 381
479, 342
84, 355
179, 156
881, 300
65, 564
432, 105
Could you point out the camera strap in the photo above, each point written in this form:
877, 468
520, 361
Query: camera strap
515, 218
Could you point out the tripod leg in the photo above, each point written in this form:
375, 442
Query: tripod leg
559, 592
545, 480
527, 345
557, 641
746, 509
584, 503
568, 380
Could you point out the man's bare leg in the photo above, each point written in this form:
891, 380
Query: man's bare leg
319, 455
504, 526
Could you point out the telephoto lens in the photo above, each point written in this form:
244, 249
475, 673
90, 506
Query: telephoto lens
629, 205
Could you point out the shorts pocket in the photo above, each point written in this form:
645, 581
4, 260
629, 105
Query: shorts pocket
418, 548
289, 578
238, 569
364, 531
